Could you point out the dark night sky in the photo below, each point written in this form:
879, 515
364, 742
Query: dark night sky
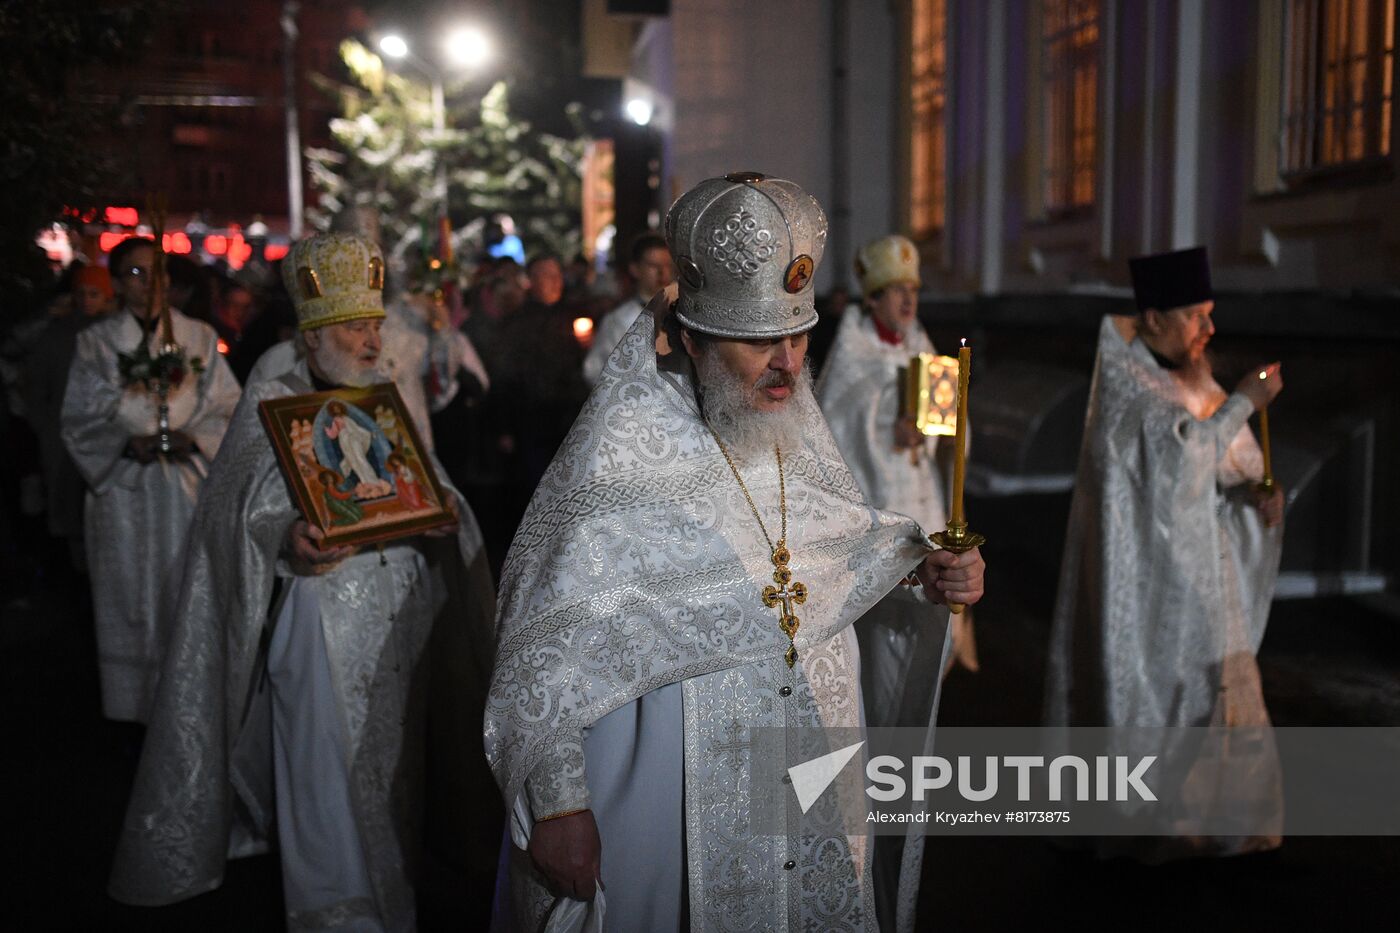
536, 48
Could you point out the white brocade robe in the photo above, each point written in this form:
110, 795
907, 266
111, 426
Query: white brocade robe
740, 879
636, 658
859, 395
136, 515
403, 630
1165, 589
611, 329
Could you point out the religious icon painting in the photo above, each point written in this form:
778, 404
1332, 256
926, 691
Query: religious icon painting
355, 464
928, 392
798, 274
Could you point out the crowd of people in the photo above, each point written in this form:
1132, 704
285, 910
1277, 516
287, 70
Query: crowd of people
664, 533
494, 439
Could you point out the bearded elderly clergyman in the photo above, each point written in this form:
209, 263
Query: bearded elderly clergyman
695, 565
307, 689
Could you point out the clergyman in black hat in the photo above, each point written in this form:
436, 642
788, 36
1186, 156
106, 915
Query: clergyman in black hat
1169, 565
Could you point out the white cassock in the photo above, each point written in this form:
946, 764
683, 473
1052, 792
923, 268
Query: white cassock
611, 329
859, 395
306, 717
636, 656
136, 515
1165, 589
425, 364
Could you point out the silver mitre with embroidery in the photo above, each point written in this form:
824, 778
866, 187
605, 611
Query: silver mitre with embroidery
747, 248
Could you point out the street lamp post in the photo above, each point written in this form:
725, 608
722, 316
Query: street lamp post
466, 47
290, 117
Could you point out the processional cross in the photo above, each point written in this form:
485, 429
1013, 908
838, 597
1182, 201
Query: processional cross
787, 593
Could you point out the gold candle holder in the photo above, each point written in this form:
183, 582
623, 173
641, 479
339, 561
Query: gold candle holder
957, 540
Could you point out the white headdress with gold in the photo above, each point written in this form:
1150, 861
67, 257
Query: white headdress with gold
885, 261
333, 278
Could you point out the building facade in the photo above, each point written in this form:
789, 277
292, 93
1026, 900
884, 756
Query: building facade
1031, 147
205, 119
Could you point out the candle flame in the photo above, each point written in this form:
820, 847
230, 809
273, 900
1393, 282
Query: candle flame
1263, 374
964, 342
583, 328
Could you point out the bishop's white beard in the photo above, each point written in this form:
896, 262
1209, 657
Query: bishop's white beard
748, 432
343, 369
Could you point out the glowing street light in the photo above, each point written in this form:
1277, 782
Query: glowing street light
393, 46
468, 47
639, 111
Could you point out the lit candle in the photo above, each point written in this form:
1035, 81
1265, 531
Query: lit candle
960, 436
1264, 438
583, 331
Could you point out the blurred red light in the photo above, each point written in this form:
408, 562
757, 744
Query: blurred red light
176, 242
215, 245
275, 251
239, 251
122, 216
107, 240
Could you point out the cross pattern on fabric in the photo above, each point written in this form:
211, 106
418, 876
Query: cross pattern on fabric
736, 746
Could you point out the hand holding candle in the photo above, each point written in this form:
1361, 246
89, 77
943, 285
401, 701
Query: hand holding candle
957, 539
1261, 386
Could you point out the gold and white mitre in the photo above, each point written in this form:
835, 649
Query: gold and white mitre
747, 248
334, 278
886, 261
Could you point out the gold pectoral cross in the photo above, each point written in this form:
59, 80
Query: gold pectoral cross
786, 594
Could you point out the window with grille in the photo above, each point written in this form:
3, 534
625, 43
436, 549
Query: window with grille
928, 132
1070, 97
1338, 84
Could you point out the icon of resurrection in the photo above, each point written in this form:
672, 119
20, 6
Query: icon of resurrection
1102, 778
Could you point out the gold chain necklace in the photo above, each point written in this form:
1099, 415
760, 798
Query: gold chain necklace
787, 593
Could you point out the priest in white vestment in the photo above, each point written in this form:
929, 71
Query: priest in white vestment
894, 463
139, 501
649, 265
307, 688
636, 649
1170, 560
